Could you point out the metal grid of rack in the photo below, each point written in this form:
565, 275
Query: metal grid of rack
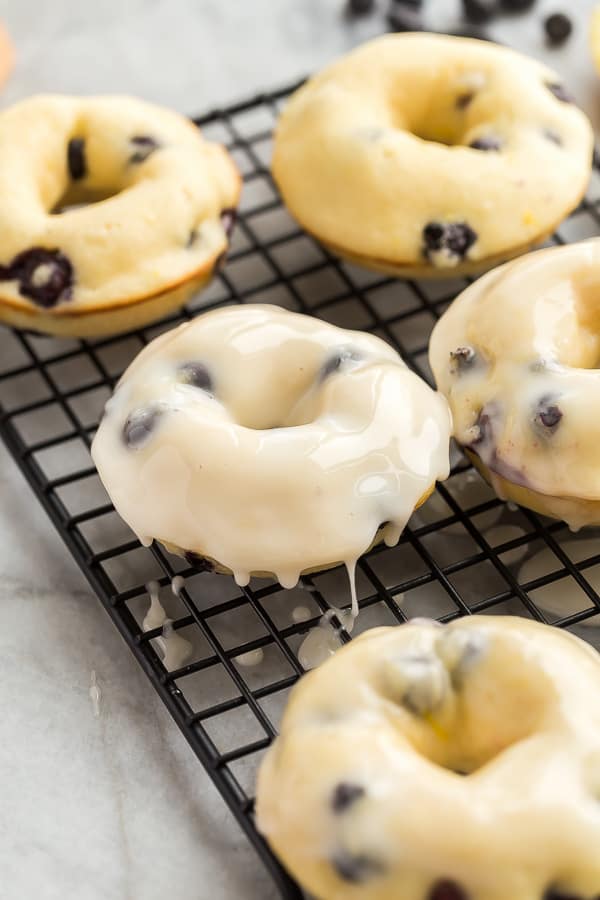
464, 552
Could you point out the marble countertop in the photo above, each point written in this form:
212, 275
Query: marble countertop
116, 807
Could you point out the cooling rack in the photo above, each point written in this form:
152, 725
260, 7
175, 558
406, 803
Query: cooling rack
464, 552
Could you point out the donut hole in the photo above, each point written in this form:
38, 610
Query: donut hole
467, 707
76, 196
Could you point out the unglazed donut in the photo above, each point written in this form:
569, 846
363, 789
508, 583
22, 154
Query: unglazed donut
256, 441
417, 153
364, 793
7, 55
516, 355
160, 203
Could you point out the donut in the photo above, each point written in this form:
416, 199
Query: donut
429, 762
417, 154
7, 55
253, 440
112, 212
595, 36
516, 357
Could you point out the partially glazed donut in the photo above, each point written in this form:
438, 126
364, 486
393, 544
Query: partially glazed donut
112, 212
262, 441
417, 153
516, 355
441, 763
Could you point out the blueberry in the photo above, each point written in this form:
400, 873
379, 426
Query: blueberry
553, 894
406, 17
228, 219
462, 359
560, 92
548, 413
76, 162
360, 7
336, 361
484, 427
356, 869
144, 147
446, 890
517, 5
198, 562
45, 276
196, 374
479, 11
345, 795
551, 135
139, 426
464, 100
486, 142
558, 27
452, 238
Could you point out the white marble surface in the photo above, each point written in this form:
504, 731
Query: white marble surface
116, 807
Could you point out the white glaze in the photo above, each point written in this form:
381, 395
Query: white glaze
95, 694
534, 325
278, 470
300, 614
398, 713
251, 658
174, 648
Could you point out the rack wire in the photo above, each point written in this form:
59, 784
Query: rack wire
464, 552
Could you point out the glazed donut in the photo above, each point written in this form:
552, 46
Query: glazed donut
364, 793
159, 201
259, 441
417, 153
516, 355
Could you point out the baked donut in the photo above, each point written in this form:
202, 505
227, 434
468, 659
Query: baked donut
7, 55
258, 441
160, 201
516, 355
364, 793
417, 153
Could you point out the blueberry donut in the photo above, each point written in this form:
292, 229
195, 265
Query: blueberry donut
112, 212
441, 763
516, 355
258, 441
419, 153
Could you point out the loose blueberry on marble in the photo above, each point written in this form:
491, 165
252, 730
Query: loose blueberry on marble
139, 426
76, 161
144, 145
517, 5
558, 27
446, 890
486, 142
356, 869
44, 276
548, 413
346, 795
360, 7
198, 562
405, 17
338, 359
195, 374
560, 92
453, 239
228, 220
479, 11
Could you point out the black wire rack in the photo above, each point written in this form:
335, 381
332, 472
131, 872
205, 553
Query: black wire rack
464, 552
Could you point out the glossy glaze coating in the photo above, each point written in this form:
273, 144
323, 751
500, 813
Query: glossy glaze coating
270, 442
516, 355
